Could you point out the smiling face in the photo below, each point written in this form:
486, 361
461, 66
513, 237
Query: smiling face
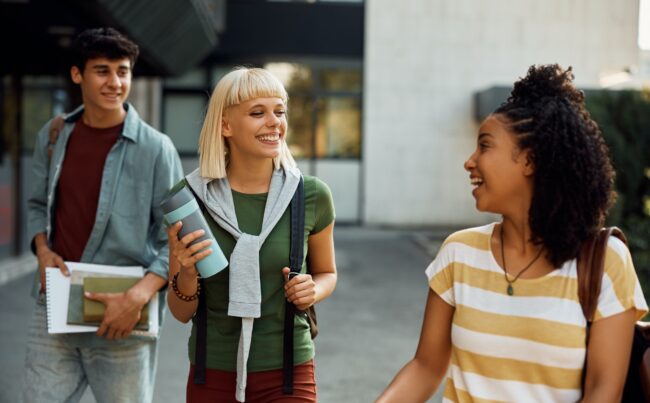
499, 171
104, 83
255, 128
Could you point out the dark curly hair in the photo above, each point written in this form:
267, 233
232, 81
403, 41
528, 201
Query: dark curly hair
102, 42
574, 178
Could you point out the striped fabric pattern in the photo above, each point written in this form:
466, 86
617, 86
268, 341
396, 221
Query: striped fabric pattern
525, 347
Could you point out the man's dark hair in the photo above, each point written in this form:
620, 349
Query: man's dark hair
102, 42
574, 177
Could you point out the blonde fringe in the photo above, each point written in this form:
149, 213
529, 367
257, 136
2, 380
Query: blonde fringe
240, 85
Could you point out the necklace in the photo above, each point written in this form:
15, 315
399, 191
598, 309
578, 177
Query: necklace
510, 289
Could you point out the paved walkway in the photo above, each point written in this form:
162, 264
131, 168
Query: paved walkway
368, 329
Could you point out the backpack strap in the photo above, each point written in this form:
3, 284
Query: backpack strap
296, 255
201, 347
53, 134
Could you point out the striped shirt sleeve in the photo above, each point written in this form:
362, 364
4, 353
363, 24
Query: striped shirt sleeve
620, 288
440, 274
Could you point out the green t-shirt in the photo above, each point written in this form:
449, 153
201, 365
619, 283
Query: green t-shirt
223, 330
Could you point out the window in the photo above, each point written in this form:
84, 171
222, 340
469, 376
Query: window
185, 100
341, 80
184, 115
193, 79
324, 108
338, 133
324, 111
300, 114
42, 98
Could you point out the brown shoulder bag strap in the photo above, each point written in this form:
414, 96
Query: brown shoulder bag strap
591, 264
53, 134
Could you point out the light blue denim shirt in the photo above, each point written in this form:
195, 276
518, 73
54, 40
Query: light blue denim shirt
139, 170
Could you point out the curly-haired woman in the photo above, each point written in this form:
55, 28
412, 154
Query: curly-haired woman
503, 321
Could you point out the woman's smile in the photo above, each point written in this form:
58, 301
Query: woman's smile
270, 138
476, 184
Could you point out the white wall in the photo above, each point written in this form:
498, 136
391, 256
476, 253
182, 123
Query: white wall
424, 60
644, 66
342, 176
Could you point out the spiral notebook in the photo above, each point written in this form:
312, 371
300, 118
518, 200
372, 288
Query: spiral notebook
58, 289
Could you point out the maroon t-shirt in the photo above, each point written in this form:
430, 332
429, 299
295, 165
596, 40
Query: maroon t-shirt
77, 192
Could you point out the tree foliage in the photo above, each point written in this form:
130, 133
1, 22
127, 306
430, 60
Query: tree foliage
624, 118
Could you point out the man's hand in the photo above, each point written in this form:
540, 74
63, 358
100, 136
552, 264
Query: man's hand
300, 290
47, 258
122, 312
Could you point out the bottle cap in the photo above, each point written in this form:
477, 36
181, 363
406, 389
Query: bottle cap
176, 199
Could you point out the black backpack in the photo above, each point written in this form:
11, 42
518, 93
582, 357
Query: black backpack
296, 256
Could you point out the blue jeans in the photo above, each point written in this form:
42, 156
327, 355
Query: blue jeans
58, 370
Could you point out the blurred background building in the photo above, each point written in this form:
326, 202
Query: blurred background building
385, 96
426, 61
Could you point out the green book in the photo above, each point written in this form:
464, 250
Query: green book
93, 311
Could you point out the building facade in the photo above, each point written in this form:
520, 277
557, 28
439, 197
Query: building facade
425, 60
382, 93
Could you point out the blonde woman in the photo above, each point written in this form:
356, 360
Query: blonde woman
246, 180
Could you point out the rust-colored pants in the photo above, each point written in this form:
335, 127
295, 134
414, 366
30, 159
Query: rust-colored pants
261, 387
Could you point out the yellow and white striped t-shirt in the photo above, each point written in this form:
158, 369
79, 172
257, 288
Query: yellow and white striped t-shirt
529, 346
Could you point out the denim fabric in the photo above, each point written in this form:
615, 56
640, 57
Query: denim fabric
58, 370
139, 171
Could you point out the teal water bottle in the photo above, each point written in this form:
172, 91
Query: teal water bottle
182, 206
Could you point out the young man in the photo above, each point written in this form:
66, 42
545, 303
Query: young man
96, 200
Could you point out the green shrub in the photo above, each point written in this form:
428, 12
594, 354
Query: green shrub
624, 118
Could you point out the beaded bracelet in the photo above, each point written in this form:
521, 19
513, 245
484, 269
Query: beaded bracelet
182, 296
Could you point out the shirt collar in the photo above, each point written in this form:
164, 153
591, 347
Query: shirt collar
130, 129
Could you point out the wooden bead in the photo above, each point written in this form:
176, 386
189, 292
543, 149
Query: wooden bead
182, 296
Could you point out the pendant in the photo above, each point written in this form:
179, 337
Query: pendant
510, 290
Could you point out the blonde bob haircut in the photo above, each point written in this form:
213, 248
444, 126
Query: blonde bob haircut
240, 85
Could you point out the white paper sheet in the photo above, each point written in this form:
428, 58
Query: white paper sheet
58, 295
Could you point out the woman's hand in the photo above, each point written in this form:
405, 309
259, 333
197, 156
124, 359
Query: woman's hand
182, 261
185, 254
300, 290
305, 290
